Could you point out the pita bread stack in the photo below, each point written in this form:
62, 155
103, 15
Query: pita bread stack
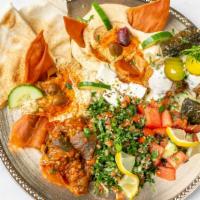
15, 38
45, 16
18, 28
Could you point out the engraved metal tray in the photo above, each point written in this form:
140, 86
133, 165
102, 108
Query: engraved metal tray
24, 164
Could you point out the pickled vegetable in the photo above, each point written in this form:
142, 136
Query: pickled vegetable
115, 49
191, 109
181, 41
123, 36
174, 69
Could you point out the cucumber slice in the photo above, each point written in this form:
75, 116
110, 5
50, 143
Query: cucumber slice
23, 93
93, 85
156, 38
102, 15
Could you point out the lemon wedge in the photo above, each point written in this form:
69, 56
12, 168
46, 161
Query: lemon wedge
125, 162
130, 182
129, 185
180, 137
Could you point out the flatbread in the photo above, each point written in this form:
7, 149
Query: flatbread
45, 16
15, 39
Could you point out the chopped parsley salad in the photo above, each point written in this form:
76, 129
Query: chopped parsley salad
137, 129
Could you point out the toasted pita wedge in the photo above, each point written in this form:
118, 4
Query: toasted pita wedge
29, 131
151, 17
15, 39
75, 30
38, 60
45, 16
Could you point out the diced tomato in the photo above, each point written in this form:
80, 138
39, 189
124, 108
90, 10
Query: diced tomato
168, 165
141, 140
167, 173
153, 104
165, 101
137, 118
153, 118
177, 159
179, 123
160, 131
193, 129
148, 132
140, 108
127, 99
166, 119
195, 137
164, 142
159, 150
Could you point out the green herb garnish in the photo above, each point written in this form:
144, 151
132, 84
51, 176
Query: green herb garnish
193, 52
87, 21
161, 108
68, 86
154, 155
87, 132
52, 171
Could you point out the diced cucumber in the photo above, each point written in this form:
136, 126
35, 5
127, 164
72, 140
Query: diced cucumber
170, 149
93, 85
23, 93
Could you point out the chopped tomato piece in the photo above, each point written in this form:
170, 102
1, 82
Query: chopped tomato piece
177, 159
160, 131
148, 132
157, 152
153, 104
193, 129
165, 101
180, 123
164, 142
167, 173
137, 118
195, 138
140, 108
166, 119
153, 118
141, 140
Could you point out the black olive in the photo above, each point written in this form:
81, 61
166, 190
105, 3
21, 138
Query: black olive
123, 36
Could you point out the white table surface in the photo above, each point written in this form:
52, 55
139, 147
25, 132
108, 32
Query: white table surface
10, 190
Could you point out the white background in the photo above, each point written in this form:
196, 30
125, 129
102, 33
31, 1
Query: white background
9, 190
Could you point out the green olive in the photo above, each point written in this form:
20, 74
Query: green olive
174, 69
115, 49
59, 99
